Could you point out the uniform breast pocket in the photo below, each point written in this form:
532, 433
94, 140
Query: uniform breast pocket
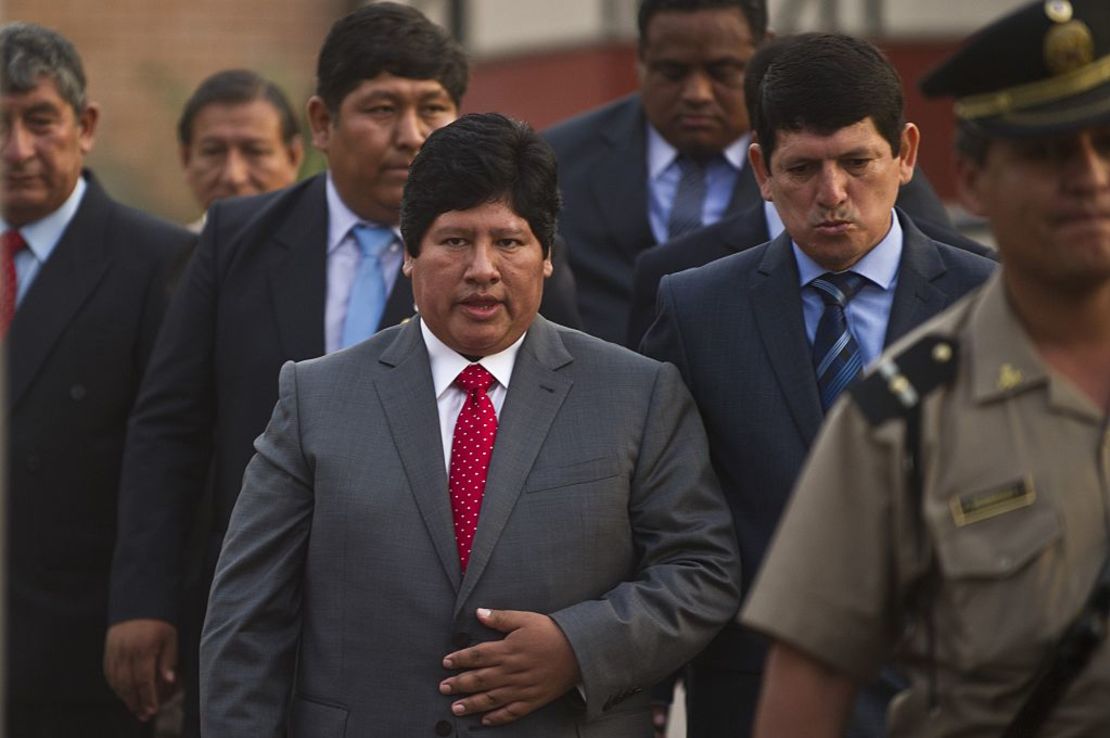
1000, 560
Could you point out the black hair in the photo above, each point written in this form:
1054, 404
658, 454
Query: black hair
754, 12
387, 37
235, 87
29, 52
822, 82
482, 158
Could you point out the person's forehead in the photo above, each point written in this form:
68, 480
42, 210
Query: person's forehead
699, 28
258, 114
390, 85
861, 134
45, 92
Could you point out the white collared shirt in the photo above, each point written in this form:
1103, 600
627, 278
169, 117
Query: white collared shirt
446, 363
342, 263
41, 237
721, 176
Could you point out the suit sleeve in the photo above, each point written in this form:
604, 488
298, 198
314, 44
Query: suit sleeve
248, 649
663, 340
686, 586
168, 451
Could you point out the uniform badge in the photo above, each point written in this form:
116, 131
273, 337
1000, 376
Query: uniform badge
1068, 45
977, 506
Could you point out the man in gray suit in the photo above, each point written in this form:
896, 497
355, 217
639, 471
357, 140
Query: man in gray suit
409, 557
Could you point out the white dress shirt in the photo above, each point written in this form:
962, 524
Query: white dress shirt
446, 363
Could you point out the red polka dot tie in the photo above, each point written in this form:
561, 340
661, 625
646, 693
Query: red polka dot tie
471, 448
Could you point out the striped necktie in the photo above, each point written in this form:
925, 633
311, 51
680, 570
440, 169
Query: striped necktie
689, 198
367, 301
836, 356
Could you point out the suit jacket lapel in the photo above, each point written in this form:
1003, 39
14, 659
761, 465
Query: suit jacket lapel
408, 396
299, 281
536, 392
620, 189
777, 306
745, 229
917, 297
79, 261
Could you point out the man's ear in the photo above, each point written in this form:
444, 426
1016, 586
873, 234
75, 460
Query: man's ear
320, 122
760, 169
969, 179
907, 152
87, 121
406, 265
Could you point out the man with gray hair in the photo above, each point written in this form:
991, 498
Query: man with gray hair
83, 285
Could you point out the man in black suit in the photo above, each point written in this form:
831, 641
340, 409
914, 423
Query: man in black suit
85, 284
767, 337
286, 275
623, 165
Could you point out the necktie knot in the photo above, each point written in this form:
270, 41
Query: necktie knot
475, 378
839, 288
13, 242
372, 240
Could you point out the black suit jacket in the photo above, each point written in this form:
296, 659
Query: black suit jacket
252, 298
727, 236
603, 175
77, 349
735, 330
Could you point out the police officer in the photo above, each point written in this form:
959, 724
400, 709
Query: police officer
955, 512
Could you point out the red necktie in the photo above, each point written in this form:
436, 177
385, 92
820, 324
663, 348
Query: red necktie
10, 243
471, 448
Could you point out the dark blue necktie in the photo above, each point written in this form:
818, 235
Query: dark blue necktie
836, 356
367, 301
689, 198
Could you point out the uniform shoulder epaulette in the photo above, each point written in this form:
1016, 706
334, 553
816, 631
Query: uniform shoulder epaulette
900, 381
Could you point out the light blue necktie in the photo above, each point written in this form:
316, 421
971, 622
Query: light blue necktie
836, 357
367, 301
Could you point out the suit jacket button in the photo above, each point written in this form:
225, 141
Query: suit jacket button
77, 392
444, 728
460, 640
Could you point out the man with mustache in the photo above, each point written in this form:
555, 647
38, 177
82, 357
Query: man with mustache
768, 337
287, 275
954, 513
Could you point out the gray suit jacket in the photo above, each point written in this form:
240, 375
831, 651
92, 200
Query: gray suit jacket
338, 591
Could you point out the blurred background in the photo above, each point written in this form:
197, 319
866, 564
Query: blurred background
536, 60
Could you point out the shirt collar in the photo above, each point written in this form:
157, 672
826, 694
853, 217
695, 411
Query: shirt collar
879, 265
43, 234
661, 154
446, 363
341, 219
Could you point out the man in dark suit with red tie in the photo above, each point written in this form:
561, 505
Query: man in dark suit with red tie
85, 284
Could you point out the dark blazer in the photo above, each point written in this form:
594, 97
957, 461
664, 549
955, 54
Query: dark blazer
78, 346
735, 330
339, 590
603, 176
727, 236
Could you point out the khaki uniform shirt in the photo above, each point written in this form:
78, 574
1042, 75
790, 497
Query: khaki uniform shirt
1015, 512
